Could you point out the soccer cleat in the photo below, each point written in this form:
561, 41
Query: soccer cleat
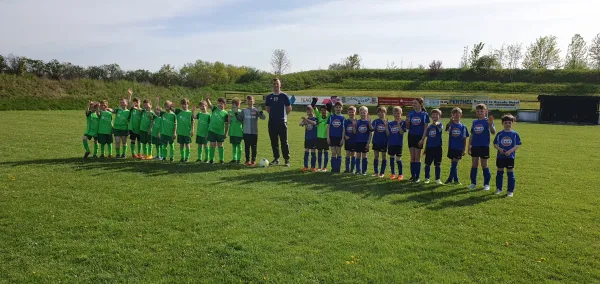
449, 181
171, 159
313, 170
304, 170
417, 180
472, 186
87, 154
400, 177
110, 156
381, 176
364, 173
94, 157
101, 156
247, 163
211, 162
486, 187
275, 162
232, 161
457, 183
439, 182
356, 173
198, 161
509, 194
427, 181
375, 175
498, 191
205, 161
324, 170
393, 177
123, 156
287, 162
156, 158
253, 164
181, 160
221, 162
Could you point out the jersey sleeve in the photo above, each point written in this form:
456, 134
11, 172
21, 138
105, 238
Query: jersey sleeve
286, 101
517, 139
466, 134
403, 125
268, 101
497, 138
426, 118
226, 118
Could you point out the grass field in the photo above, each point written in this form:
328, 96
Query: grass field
63, 219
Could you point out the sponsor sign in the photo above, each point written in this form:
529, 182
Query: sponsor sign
392, 101
499, 104
365, 101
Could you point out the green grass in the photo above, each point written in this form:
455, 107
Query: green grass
63, 219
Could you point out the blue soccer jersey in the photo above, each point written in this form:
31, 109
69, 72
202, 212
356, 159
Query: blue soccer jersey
397, 130
434, 135
480, 133
336, 125
507, 140
380, 136
349, 128
363, 132
418, 122
457, 133
310, 131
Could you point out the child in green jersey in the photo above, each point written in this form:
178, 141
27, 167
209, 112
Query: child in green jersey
134, 126
217, 128
121, 127
236, 132
168, 130
105, 129
91, 130
322, 145
202, 121
185, 129
146, 118
156, 125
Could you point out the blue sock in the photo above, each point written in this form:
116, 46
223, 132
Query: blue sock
393, 165
427, 171
313, 159
320, 159
347, 164
412, 170
326, 159
487, 176
376, 166
339, 164
418, 168
499, 179
334, 164
383, 165
357, 162
365, 164
473, 175
399, 163
438, 172
353, 163
511, 181
306, 159
453, 170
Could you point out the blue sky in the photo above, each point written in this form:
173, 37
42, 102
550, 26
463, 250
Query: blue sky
146, 34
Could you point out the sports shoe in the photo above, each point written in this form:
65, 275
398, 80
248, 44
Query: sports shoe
364, 173
411, 179
275, 162
181, 160
110, 156
171, 159
211, 162
393, 177
400, 177
347, 172
375, 175
486, 187
205, 161
356, 173
156, 158
457, 183
198, 161
86, 155
324, 170
247, 163
94, 157
472, 186
313, 170
186, 160
427, 181
439, 182
252, 164
304, 170
287, 162
449, 181
120, 157
417, 181
101, 156
381, 175
123, 156
221, 162
498, 191
509, 194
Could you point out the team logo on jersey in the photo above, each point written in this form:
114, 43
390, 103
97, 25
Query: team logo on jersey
415, 120
336, 123
506, 141
478, 128
350, 128
380, 128
309, 127
455, 132
363, 129
432, 133
394, 129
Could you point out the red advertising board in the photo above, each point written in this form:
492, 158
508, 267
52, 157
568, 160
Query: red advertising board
391, 101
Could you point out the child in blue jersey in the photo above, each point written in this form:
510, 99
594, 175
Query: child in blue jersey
433, 147
350, 140
335, 134
322, 145
457, 143
310, 139
479, 145
363, 139
395, 132
417, 122
380, 141
506, 142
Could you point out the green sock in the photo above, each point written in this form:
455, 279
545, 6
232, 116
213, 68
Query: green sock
172, 150
118, 151
221, 153
110, 149
102, 149
95, 149
149, 149
124, 149
139, 148
86, 146
182, 152
211, 153
205, 147
239, 152
200, 152
187, 153
133, 152
163, 151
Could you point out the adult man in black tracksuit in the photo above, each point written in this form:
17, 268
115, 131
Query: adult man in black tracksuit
278, 106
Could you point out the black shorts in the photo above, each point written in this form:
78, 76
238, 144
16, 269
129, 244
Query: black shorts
134, 136
322, 144
310, 144
455, 154
395, 151
480, 152
380, 147
350, 147
433, 155
105, 139
413, 141
508, 163
361, 147
89, 137
335, 141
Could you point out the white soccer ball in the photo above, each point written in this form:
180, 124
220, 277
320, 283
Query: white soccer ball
263, 163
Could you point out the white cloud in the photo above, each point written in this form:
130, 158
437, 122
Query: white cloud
381, 31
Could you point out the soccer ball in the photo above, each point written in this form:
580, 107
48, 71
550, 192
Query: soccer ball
263, 163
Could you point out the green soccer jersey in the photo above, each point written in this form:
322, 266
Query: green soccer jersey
321, 124
203, 119
92, 124
156, 125
105, 123
146, 120
122, 119
235, 126
217, 121
184, 122
168, 123
134, 122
